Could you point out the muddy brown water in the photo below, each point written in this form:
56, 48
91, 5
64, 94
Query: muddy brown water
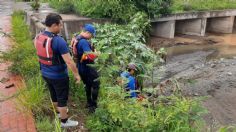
210, 65
224, 46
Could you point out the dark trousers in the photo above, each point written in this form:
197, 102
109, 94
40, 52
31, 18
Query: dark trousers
89, 77
59, 90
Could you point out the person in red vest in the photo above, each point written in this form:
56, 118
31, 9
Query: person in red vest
85, 53
54, 58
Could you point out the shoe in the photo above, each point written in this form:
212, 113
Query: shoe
69, 123
88, 105
92, 109
58, 114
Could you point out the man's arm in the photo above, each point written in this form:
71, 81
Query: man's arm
88, 53
70, 63
64, 52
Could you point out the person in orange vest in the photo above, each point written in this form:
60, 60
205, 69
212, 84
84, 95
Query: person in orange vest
85, 54
54, 58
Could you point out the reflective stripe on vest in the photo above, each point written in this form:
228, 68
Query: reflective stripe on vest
43, 45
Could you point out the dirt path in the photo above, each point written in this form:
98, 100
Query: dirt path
11, 120
203, 69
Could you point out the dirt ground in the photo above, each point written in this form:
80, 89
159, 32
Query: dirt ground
204, 66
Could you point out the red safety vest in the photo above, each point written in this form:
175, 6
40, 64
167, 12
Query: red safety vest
43, 45
74, 42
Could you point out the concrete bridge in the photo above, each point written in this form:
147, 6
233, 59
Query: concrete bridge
194, 23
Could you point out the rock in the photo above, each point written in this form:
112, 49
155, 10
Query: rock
213, 65
229, 73
221, 59
196, 67
196, 94
74, 105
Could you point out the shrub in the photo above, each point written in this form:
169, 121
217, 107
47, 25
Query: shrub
22, 54
62, 6
33, 97
200, 5
119, 10
121, 44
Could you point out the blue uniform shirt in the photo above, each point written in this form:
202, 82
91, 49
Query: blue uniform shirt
59, 46
82, 47
131, 83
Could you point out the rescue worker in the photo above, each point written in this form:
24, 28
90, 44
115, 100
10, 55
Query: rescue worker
85, 54
132, 85
54, 57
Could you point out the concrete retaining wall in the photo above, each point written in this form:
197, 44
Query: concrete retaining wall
221, 24
191, 27
71, 23
164, 29
194, 23
72, 26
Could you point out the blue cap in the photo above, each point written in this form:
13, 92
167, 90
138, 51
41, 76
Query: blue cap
90, 28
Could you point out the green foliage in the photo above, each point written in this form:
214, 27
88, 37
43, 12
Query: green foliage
43, 124
199, 5
77, 92
119, 10
35, 5
62, 6
34, 98
121, 44
118, 114
154, 7
25, 63
22, 53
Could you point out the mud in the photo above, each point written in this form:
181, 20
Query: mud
204, 66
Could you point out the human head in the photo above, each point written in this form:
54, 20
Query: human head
89, 31
54, 22
131, 68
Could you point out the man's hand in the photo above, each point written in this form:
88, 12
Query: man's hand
70, 63
98, 53
77, 79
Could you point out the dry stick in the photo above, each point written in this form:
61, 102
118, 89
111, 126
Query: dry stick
4, 34
153, 87
177, 86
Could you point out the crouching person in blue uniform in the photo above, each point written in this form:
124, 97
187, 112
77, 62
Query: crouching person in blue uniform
132, 84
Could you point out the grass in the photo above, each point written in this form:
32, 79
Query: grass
114, 112
34, 97
44, 124
23, 52
178, 6
201, 5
